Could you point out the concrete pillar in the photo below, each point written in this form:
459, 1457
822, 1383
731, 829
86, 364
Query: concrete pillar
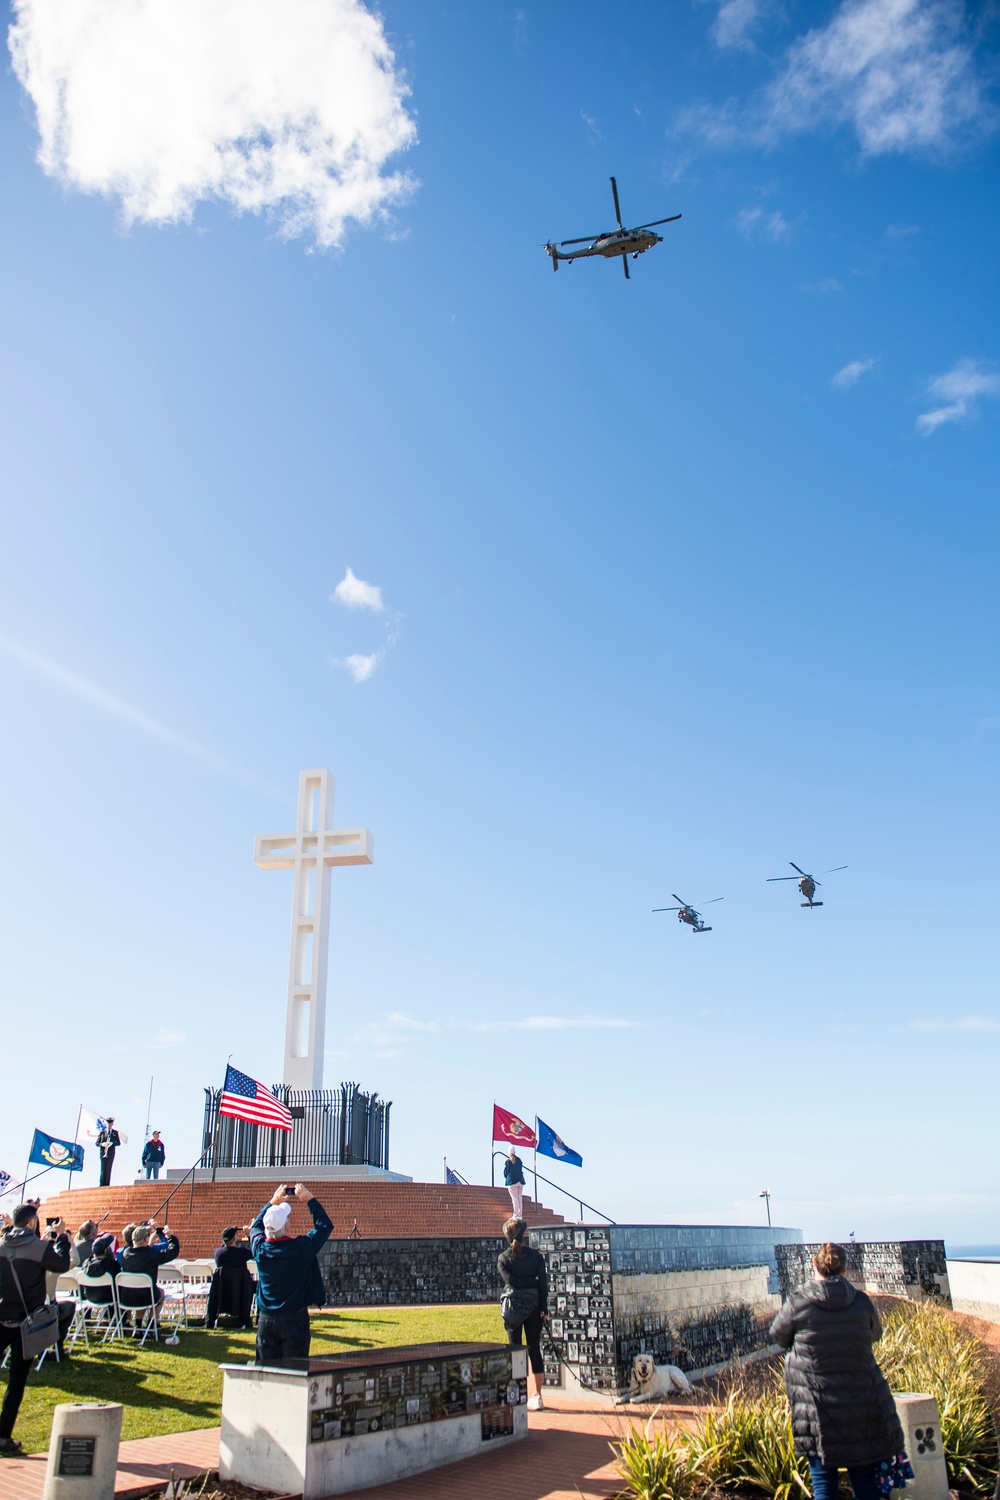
83, 1452
922, 1441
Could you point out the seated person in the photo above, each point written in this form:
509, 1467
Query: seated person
145, 1259
233, 1251
232, 1285
83, 1243
126, 1243
103, 1262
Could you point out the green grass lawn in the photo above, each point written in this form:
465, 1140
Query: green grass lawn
171, 1390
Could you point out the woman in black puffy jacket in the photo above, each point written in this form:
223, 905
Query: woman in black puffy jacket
843, 1414
523, 1269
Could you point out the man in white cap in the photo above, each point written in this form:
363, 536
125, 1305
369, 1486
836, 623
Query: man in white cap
288, 1275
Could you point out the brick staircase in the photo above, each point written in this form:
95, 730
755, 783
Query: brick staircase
383, 1210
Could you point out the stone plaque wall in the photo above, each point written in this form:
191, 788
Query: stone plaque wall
376, 1273
916, 1269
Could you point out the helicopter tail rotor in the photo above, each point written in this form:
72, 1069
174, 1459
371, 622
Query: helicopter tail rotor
552, 253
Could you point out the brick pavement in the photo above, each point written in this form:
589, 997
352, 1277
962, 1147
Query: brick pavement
564, 1457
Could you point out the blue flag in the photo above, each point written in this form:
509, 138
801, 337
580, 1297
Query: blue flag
550, 1144
46, 1151
454, 1178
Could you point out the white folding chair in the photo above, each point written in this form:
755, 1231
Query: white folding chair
174, 1306
197, 1286
103, 1312
140, 1300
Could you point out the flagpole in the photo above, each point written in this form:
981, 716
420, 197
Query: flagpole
493, 1165
76, 1142
149, 1106
218, 1108
534, 1160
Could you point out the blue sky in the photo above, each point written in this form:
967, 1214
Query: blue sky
682, 579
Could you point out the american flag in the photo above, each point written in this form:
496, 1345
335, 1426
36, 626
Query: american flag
245, 1099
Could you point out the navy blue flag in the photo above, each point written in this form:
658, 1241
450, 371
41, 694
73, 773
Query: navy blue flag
4, 1179
550, 1144
455, 1178
46, 1151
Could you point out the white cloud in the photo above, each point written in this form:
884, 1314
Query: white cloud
965, 1023
82, 688
735, 21
593, 128
757, 225
960, 388
354, 593
291, 110
168, 1036
824, 288
360, 667
555, 1023
387, 1037
852, 373
901, 74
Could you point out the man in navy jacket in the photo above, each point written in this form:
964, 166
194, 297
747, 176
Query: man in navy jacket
289, 1281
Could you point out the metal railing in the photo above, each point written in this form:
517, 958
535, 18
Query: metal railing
342, 1127
573, 1197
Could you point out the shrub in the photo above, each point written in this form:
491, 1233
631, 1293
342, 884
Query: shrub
658, 1466
748, 1442
924, 1349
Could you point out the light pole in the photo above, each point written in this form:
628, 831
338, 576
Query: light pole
766, 1195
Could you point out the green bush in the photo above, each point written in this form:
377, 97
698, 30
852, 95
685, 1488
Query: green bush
924, 1349
745, 1443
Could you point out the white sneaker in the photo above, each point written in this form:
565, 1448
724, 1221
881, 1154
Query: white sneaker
535, 1403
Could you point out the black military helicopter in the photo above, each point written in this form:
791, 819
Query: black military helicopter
620, 241
688, 914
807, 883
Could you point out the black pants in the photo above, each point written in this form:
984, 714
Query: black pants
17, 1379
532, 1329
282, 1336
107, 1162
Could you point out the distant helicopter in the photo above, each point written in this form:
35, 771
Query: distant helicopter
807, 883
688, 914
620, 241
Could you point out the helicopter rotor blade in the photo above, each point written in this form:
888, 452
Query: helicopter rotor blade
835, 869
679, 898
654, 222
795, 867
618, 212
772, 878
713, 900
666, 908
587, 238
625, 265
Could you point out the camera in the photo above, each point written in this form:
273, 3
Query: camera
49, 1223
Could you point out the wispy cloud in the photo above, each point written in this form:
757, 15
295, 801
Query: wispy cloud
82, 688
354, 593
758, 226
736, 20
852, 373
168, 1036
824, 288
901, 74
292, 110
960, 389
901, 231
388, 1035
964, 1023
593, 129
555, 1023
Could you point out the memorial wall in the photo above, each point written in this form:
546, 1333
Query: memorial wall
375, 1273
696, 1296
917, 1269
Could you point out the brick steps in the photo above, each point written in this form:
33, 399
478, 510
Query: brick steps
383, 1210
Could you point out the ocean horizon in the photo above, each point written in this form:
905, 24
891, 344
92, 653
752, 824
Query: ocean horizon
973, 1252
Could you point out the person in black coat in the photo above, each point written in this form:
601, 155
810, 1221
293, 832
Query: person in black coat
843, 1414
523, 1268
232, 1288
145, 1259
25, 1258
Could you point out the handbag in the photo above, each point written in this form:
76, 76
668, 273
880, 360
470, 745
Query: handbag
39, 1329
517, 1303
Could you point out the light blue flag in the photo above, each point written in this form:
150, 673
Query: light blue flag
550, 1144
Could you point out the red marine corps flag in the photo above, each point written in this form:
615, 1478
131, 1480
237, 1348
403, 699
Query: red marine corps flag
508, 1127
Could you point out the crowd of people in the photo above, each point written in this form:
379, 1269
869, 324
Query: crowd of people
843, 1414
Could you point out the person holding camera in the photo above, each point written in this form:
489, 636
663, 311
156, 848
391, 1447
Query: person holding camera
24, 1259
289, 1280
145, 1259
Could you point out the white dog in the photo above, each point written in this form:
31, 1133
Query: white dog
650, 1380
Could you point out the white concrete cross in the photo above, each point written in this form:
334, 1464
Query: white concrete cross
310, 851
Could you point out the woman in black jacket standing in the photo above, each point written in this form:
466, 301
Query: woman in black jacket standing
843, 1414
522, 1269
